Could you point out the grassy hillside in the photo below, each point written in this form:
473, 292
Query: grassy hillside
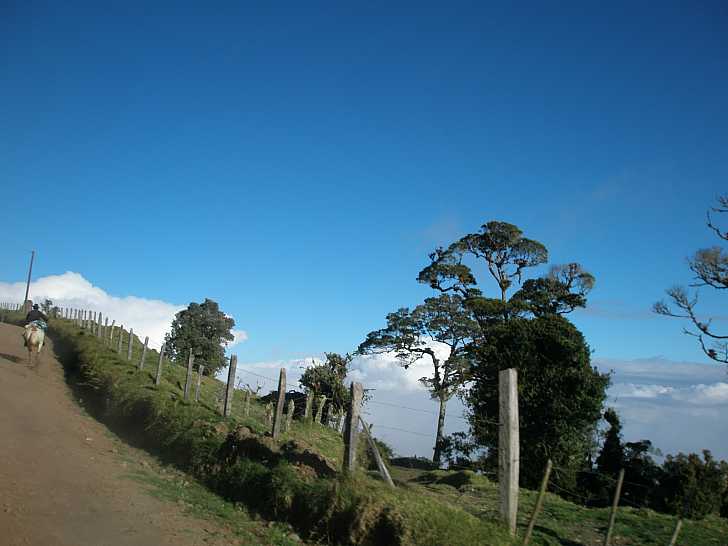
562, 522
295, 480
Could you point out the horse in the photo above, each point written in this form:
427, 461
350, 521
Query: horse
34, 338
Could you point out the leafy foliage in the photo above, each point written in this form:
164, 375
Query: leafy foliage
611, 458
560, 394
693, 487
49, 309
409, 334
328, 379
204, 330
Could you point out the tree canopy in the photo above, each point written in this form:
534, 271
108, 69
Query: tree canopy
410, 336
560, 393
203, 329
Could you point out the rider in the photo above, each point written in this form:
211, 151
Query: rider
35, 314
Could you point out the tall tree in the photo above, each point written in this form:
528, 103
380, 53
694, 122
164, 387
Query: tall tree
560, 394
410, 336
524, 331
205, 330
710, 269
611, 458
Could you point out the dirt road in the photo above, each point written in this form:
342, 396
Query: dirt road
63, 480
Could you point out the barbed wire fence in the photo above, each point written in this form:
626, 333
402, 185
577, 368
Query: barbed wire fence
352, 422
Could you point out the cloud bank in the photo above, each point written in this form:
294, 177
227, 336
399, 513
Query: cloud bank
680, 406
148, 317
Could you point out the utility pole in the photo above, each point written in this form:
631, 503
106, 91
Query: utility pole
30, 272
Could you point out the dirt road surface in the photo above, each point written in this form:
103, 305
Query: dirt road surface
62, 479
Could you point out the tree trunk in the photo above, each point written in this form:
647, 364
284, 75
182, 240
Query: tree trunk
440, 426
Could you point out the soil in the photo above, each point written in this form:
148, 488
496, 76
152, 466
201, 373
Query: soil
63, 479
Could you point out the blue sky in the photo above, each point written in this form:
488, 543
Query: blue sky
298, 163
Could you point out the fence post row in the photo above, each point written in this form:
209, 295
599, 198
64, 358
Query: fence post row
352, 423
539, 502
200, 371
320, 408
613, 512
289, 414
131, 344
144, 353
281, 400
508, 447
377, 457
160, 363
676, 532
309, 404
230, 388
188, 380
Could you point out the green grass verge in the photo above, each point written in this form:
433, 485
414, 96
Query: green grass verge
293, 480
562, 522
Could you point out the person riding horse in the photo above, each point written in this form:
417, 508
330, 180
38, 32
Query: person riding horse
38, 317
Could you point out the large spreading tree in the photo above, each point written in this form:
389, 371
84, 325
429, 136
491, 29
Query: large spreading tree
710, 269
561, 394
410, 334
203, 329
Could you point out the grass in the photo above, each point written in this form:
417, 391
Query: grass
562, 522
266, 478
294, 480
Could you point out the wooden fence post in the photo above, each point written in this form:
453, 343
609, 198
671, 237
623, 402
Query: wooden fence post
307, 409
188, 380
119, 341
144, 353
351, 426
106, 329
160, 364
615, 504
539, 502
230, 390
131, 344
200, 371
320, 408
269, 413
377, 456
111, 333
281, 401
508, 447
289, 414
676, 532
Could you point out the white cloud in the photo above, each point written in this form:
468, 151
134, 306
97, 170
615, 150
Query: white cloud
148, 317
680, 406
630, 390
